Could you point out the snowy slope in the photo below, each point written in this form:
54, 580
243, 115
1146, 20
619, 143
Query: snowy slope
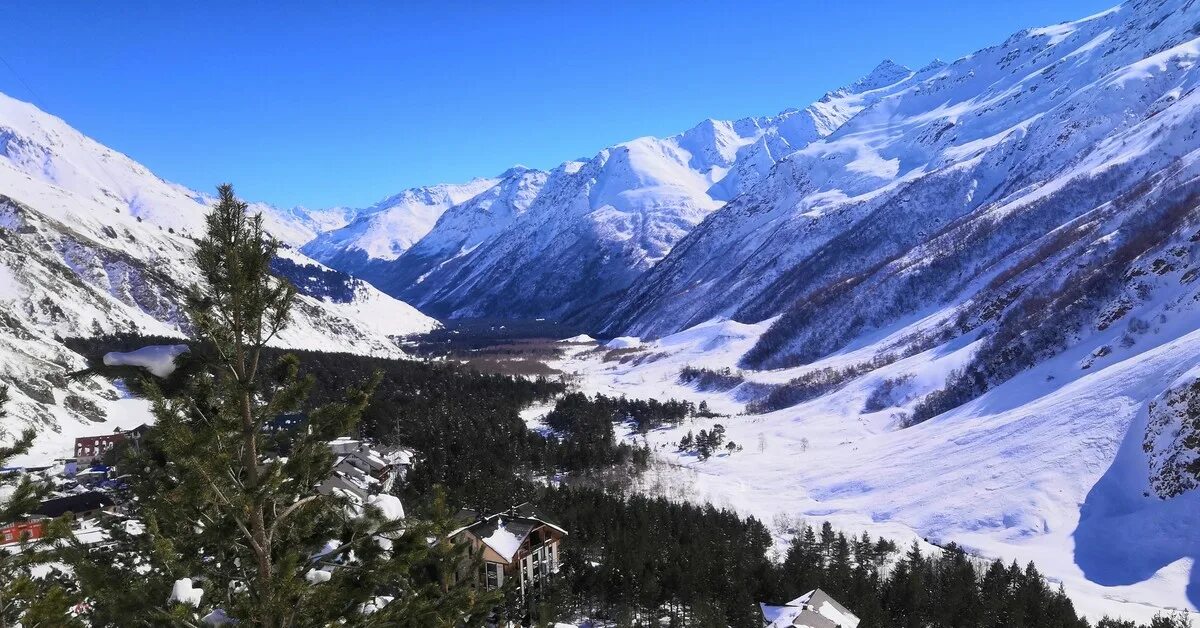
537, 244
93, 243
1047, 467
995, 266
382, 232
938, 184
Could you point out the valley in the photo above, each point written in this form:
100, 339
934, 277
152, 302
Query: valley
954, 306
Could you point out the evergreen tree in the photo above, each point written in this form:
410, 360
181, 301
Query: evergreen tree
23, 497
995, 596
24, 599
703, 445
223, 511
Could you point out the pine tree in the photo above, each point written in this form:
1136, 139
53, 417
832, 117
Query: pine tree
222, 508
25, 599
703, 445
23, 497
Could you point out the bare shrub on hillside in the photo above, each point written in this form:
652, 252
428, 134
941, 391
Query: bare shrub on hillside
1047, 321
706, 379
816, 383
884, 394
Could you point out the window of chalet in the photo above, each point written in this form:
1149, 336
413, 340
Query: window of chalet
492, 574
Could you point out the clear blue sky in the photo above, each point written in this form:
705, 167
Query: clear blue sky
327, 103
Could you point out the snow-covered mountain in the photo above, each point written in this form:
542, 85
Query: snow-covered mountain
970, 311
382, 232
976, 280
538, 244
964, 299
92, 242
976, 182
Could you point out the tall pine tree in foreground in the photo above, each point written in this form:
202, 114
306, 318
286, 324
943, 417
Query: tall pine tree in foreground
225, 527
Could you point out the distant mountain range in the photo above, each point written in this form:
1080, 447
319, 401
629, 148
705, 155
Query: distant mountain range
555, 244
1007, 246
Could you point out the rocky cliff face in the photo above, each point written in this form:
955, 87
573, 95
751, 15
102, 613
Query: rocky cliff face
1172, 440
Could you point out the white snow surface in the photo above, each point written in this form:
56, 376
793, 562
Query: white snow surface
1047, 467
159, 360
317, 576
623, 342
183, 591
391, 226
389, 505
505, 543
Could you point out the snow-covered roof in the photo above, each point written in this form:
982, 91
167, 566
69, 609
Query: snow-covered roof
778, 616
506, 542
505, 532
390, 505
815, 609
808, 618
821, 602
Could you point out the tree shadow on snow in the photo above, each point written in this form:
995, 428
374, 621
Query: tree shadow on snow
1126, 533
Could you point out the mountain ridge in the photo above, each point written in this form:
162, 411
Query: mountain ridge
616, 214
94, 243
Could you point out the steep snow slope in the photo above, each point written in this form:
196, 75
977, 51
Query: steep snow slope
548, 244
1002, 160
93, 243
1048, 467
461, 230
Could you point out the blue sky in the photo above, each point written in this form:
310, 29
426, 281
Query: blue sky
328, 103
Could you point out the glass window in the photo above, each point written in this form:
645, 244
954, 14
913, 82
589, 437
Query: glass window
492, 574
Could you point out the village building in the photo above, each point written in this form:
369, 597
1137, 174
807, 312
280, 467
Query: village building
30, 530
363, 470
89, 448
815, 609
77, 506
516, 544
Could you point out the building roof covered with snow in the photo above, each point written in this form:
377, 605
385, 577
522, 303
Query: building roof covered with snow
815, 609
507, 532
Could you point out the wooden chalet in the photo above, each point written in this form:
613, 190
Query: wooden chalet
517, 544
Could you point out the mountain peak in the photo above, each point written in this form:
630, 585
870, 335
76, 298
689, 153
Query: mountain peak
515, 171
888, 72
936, 64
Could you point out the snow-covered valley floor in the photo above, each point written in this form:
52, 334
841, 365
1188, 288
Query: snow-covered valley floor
1047, 467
